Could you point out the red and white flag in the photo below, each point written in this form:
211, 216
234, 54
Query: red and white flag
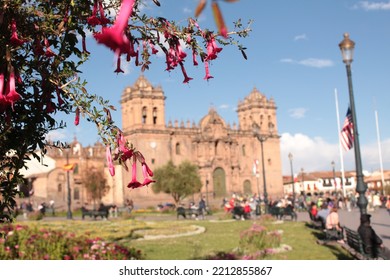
347, 132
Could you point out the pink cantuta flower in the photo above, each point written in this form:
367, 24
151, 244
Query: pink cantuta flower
152, 47
137, 57
145, 172
48, 52
110, 163
121, 141
206, 66
103, 19
118, 66
93, 19
186, 78
84, 45
3, 99
77, 117
60, 100
114, 37
195, 62
10, 93
134, 183
15, 41
212, 49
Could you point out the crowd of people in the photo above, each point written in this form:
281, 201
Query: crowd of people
325, 209
27, 207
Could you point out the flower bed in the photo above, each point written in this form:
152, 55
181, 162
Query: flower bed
20, 242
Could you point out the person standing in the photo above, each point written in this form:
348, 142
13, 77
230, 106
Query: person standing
388, 204
202, 207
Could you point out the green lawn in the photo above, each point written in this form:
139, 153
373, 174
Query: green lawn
220, 235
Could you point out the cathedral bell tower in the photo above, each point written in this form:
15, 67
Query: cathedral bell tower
143, 106
257, 109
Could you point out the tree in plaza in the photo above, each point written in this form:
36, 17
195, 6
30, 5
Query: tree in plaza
43, 46
95, 184
178, 181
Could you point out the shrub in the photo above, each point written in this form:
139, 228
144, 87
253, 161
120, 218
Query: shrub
23, 243
258, 242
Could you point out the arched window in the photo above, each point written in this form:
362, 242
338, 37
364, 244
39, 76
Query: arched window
178, 148
155, 115
76, 194
144, 115
59, 188
243, 150
247, 187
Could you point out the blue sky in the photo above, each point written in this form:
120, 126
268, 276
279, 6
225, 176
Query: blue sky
293, 57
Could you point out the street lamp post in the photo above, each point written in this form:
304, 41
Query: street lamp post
290, 156
347, 47
334, 177
262, 138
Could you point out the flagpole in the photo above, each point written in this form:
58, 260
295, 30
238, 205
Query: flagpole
380, 152
340, 148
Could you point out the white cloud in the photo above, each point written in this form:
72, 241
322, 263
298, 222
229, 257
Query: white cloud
297, 113
187, 10
315, 154
56, 135
317, 63
373, 6
224, 106
300, 37
310, 62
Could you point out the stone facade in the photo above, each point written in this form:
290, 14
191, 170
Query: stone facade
225, 155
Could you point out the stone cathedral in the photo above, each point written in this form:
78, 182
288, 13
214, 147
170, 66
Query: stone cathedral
226, 155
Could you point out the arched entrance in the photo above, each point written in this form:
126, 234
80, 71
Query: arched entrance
247, 187
219, 180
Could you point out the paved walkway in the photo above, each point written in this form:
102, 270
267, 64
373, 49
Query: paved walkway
380, 221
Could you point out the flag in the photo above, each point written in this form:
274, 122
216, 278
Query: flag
347, 132
68, 167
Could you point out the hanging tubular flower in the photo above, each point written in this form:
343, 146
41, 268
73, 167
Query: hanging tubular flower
93, 19
3, 99
134, 183
206, 66
114, 37
186, 78
60, 100
194, 61
219, 19
77, 117
48, 52
118, 66
145, 172
15, 41
103, 19
10, 93
84, 45
145, 169
110, 163
212, 48
152, 47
